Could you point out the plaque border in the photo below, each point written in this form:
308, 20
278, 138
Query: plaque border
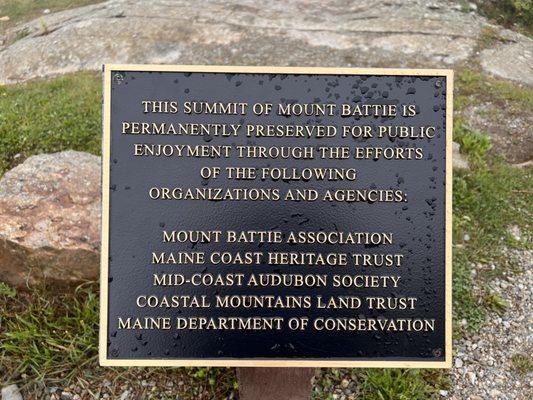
269, 362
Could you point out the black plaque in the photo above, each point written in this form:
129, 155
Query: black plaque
261, 216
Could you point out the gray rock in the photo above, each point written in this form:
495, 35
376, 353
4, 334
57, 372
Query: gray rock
459, 161
50, 219
400, 33
512, 59
11, 392
296, 32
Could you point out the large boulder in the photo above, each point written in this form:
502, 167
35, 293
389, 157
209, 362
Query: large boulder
50, 219
399, 33
511, 59
341, 33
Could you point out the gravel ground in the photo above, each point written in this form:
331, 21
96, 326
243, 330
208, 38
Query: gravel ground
486, 364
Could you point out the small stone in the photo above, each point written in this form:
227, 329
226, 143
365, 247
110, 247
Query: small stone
471, 378
475, 397
345, 383
11, 392
46, 11
458, 363
5, 18
443, 393
125, 395
66, 396
459, 162
515, 232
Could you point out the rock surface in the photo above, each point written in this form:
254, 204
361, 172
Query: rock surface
50, 219
512, 59
11, 392
459, 161
399, 33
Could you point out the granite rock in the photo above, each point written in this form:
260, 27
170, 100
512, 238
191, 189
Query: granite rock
459, 161
11, 392
50, 219
341, 33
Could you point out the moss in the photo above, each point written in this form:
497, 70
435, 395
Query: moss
383, 384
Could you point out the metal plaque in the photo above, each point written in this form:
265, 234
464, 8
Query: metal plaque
267, 216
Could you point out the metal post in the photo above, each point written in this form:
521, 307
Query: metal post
275, 383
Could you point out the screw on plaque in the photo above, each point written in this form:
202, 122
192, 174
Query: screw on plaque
438, 83
437, 352
118, 78
114, 352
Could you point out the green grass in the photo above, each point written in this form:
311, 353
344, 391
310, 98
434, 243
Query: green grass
52, 336
510, 13
474, 88
395, 384
49, 116
522, 363
24, 10
488, 198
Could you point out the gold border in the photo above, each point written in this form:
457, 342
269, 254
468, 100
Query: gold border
106, 148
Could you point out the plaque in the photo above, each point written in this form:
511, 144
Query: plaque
267, 216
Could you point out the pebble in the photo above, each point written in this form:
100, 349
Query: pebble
11, 392
66, 396
483, 368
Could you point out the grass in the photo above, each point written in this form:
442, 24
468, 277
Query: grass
49, 337
383, 384
52, 338
510, 13
49, 116
522, 363
488, 199
474, 88
24, 10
